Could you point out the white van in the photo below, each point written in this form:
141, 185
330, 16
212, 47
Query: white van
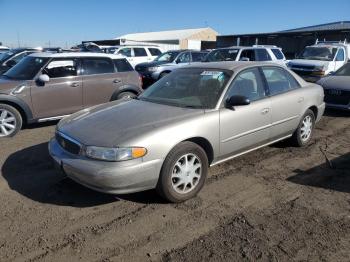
320, 59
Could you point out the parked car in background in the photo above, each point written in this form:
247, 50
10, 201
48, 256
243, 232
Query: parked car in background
195, 117
136, 54
166, 63
242, 53
337, 88
320, 59
46, 86
13, 56
3, 49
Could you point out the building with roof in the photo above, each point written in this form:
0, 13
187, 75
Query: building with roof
196, 38
291, 41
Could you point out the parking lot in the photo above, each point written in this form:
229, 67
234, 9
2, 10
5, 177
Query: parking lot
274, 204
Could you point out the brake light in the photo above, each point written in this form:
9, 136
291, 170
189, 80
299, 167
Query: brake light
141, 80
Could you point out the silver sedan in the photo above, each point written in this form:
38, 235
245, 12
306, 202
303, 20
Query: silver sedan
193, 118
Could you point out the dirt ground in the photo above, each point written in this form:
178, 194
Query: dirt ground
276, 204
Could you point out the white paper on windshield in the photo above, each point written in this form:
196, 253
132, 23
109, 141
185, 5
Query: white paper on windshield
213, 74
61, 63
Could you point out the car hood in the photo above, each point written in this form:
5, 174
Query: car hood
115, 123
336, 82
7, 85
308, 62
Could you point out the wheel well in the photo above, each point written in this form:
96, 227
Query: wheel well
314, 110
205, 144
20, 109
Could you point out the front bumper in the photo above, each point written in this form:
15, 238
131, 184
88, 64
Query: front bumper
107, 177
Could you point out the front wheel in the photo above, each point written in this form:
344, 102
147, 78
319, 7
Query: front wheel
183, 173
10, 121
126, 95
304, 132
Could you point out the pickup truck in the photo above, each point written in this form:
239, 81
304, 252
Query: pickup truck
320, 59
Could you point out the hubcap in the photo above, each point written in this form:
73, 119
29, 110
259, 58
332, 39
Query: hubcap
306, 128
7, 123
186, 173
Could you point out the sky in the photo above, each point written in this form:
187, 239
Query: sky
68, 22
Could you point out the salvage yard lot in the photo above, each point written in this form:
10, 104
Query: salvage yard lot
278, 203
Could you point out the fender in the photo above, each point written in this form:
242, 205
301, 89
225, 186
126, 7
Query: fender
20, 103
131, 88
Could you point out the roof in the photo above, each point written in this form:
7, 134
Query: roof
163, 35
342, 25
230, 65
75, 54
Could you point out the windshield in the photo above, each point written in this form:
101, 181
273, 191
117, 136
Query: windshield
222, 55
167, 57
318, 53
191, 87
343, 71
27, 68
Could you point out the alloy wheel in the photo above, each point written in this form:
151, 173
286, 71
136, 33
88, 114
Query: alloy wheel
7, 123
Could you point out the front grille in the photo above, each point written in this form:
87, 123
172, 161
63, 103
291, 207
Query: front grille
139, 68
68, 144
303, 67
336, 96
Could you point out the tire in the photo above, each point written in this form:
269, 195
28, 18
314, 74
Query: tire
300, 137
126, 95
10, 121
163, 74
175, 186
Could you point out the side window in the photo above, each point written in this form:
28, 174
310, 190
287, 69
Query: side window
279, 80
19, 57
125, 52
340, 55
248, 53
94, 66
184, 58
262, 55
61, 68
154, 51
122, 65
278, 53
197, 57
249, 84
140, 52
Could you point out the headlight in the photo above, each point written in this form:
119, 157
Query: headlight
153, 68
115, 154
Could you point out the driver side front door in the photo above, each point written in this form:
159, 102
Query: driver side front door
62, 95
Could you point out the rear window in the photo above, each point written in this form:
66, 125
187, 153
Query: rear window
140, 52
262, 55
154, 51
97, 66
122, 65
278, 53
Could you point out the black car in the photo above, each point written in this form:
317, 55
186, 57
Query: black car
167, 62
13, 56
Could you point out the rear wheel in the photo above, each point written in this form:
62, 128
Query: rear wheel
304, 132
183, 173
10, 121
126, 95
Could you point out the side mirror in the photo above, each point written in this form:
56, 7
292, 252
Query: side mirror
177, 61
244, 59
236, 101
42, 79
331, 73
11, 63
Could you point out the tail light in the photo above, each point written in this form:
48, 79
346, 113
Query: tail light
141, 80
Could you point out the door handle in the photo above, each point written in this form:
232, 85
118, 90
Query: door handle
265, 111
74, 84
116, 81
301, 99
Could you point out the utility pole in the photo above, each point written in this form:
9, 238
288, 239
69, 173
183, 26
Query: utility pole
18, 40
